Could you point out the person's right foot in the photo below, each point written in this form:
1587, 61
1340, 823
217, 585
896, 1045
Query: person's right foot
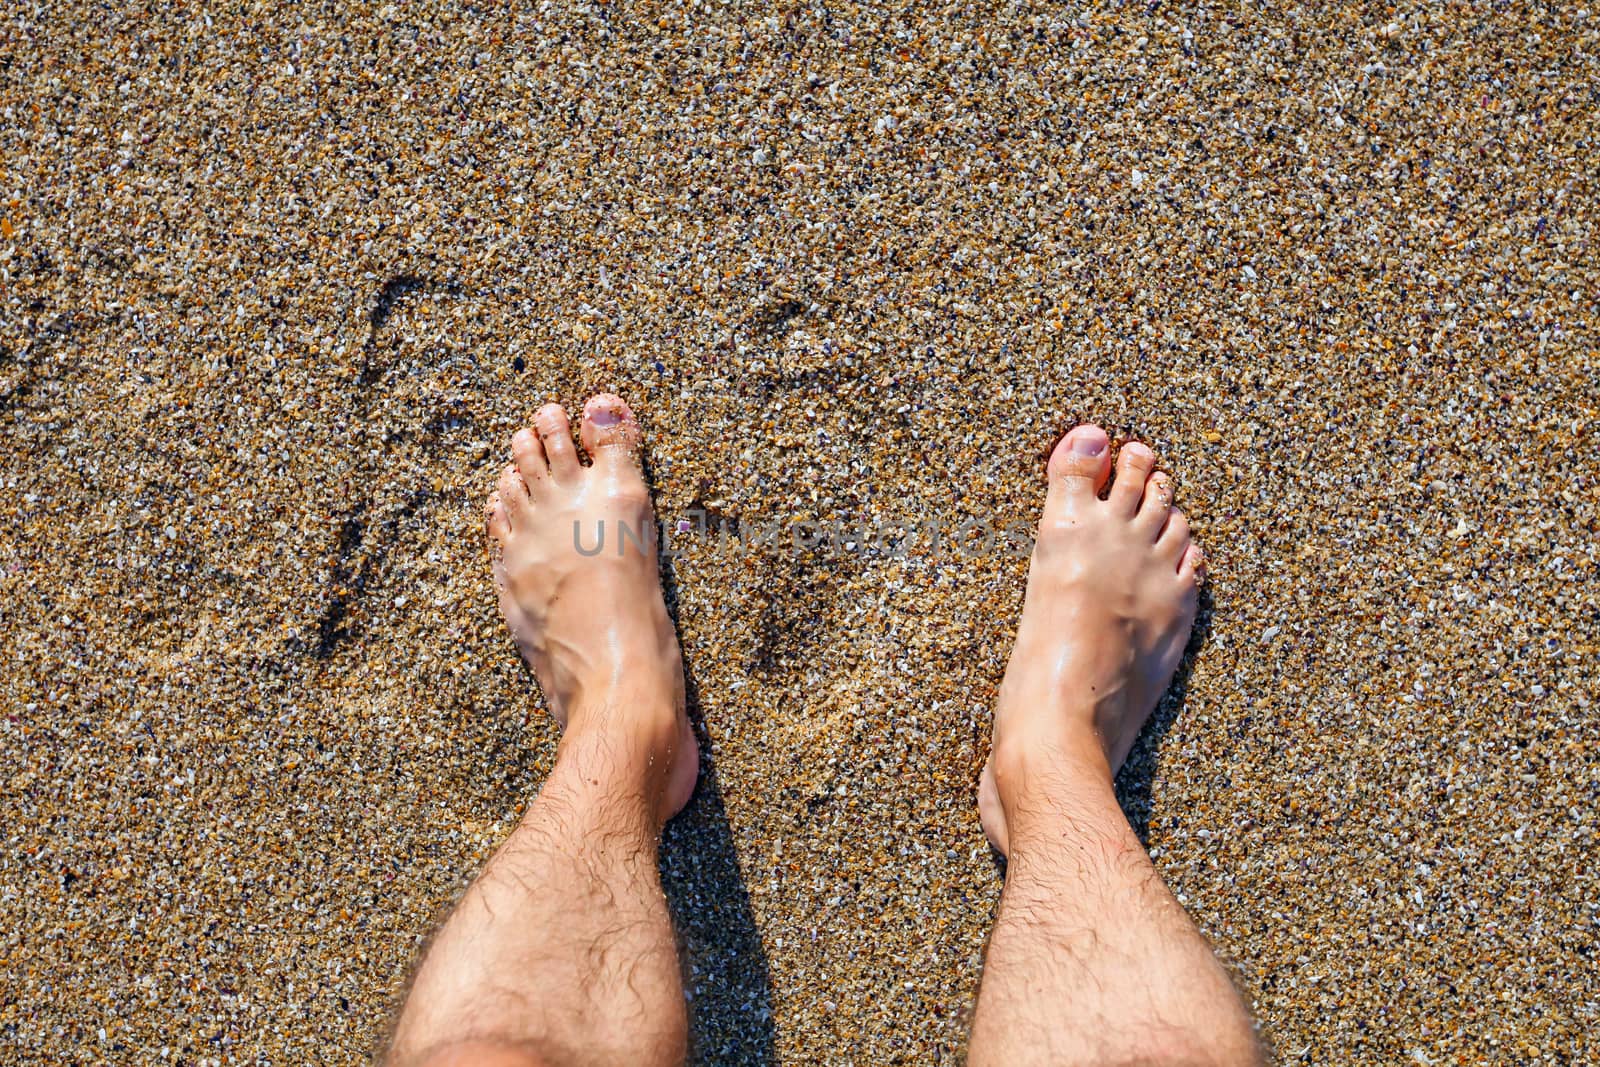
1112, 591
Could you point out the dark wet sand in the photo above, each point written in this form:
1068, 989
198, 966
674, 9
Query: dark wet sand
277, 286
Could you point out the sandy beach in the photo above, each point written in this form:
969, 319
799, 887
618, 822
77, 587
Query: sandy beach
278, 283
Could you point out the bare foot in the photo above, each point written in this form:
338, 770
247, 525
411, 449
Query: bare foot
574, 553
1111, 597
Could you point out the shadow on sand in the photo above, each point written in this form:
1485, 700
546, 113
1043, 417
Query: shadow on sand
725, 967
1139, 771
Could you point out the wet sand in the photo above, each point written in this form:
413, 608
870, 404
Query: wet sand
276, 286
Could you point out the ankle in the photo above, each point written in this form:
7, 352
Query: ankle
1045, 781
623, 750
1029, 755
639, 667
641, 712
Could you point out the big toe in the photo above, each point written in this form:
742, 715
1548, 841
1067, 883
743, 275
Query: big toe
1080, 464
609, 431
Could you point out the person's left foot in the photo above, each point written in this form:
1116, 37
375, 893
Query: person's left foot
574, 552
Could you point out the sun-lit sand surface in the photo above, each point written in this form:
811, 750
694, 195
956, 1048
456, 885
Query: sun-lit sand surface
277, 284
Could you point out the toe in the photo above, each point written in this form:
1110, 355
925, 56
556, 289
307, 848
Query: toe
609, 431
1079, 465
1134, 464
1157, 503
513, 494
1174, 536
496, 519
1193, 564
529, 455
555, 433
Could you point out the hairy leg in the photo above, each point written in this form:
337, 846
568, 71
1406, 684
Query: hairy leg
562, 952
1092, 960
563, 946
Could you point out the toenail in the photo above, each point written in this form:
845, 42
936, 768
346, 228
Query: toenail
604, 417
1089, 445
